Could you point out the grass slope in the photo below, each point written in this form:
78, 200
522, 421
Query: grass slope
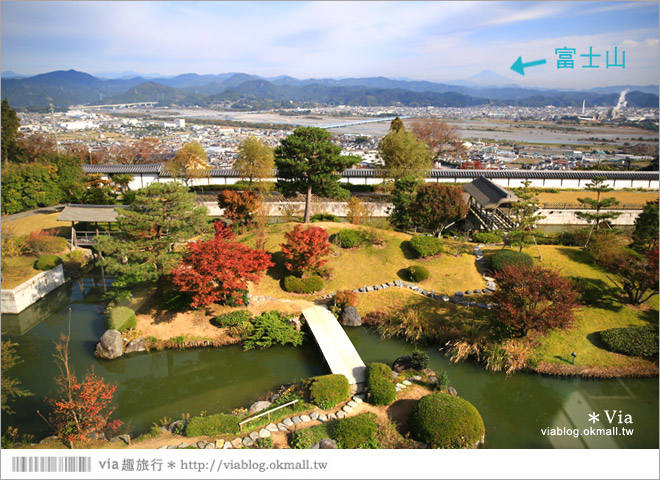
583, 338
368, 265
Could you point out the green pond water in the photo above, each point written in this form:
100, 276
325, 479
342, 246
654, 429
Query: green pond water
167, 383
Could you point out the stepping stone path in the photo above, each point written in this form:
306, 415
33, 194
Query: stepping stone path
271, 427
282, 428
352, 403
227, 446
288, 422
314, 415
296, 419
323, 418
347, 409
357, 400
341, 414
305, 418
253, 436
263, 433
407, 383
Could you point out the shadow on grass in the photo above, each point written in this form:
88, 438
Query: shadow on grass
597, 341
277, 271
597, 294
408, 251
650, 316
577, 256
403, 274
559, 357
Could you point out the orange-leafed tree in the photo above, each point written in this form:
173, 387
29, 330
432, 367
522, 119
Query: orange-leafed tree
304, 250
218, 270
240, 207
79, 408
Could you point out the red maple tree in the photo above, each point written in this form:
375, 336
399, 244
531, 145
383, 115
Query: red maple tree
219, 269
79, 408
533, 298
304, 249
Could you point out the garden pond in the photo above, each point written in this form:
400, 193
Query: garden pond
516, 409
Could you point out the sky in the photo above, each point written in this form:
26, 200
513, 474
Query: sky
433, 40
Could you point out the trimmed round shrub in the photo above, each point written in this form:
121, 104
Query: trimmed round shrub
640, 341
233, 319
503, 258
303, 285
379, 384
325, 217
348, 238
212, 425
329, 390
355, 432
443, 421
416, 273
47, 262
346, 298
121, 318
487, 237
424, 246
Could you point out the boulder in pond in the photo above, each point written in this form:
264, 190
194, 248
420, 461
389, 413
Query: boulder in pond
257, 407
110, 346
402, 363
452, 391
350, 317
136, 345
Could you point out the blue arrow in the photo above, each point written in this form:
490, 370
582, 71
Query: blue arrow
519, 67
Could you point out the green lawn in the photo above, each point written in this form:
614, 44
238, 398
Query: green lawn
368, 265
556, 347
16, 270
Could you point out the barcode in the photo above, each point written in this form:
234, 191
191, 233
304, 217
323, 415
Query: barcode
51, 464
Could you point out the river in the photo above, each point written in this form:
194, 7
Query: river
168, 383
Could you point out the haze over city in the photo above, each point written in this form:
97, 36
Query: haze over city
436, 41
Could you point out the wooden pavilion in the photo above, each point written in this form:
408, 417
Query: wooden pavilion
90, 221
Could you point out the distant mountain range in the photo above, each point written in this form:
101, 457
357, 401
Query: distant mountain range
67, 88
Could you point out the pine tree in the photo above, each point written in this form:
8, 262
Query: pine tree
163, 215
307, 161
597, 185
524, 216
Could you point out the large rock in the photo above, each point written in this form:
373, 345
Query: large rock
327, 443
295, 323
402, 363
110, 346
257, 407
136, 345
350, 317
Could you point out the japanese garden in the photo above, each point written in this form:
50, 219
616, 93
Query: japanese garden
177, 328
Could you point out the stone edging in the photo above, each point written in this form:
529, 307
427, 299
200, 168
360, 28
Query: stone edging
458, 298
288, 424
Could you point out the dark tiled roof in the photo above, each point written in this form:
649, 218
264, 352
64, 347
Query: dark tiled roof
487, 194
518, 174
143, 168
89, 213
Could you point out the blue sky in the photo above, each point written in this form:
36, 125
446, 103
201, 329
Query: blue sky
437, 41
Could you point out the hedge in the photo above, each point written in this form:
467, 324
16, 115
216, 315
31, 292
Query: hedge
641, 341
348, 238
426, 246
416, 273
444, 421
379, 384
121, 318
355, 432
487, 237
232, 319
509, 257
325, 217
47, 262
328, 390
303, 285
212, 425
